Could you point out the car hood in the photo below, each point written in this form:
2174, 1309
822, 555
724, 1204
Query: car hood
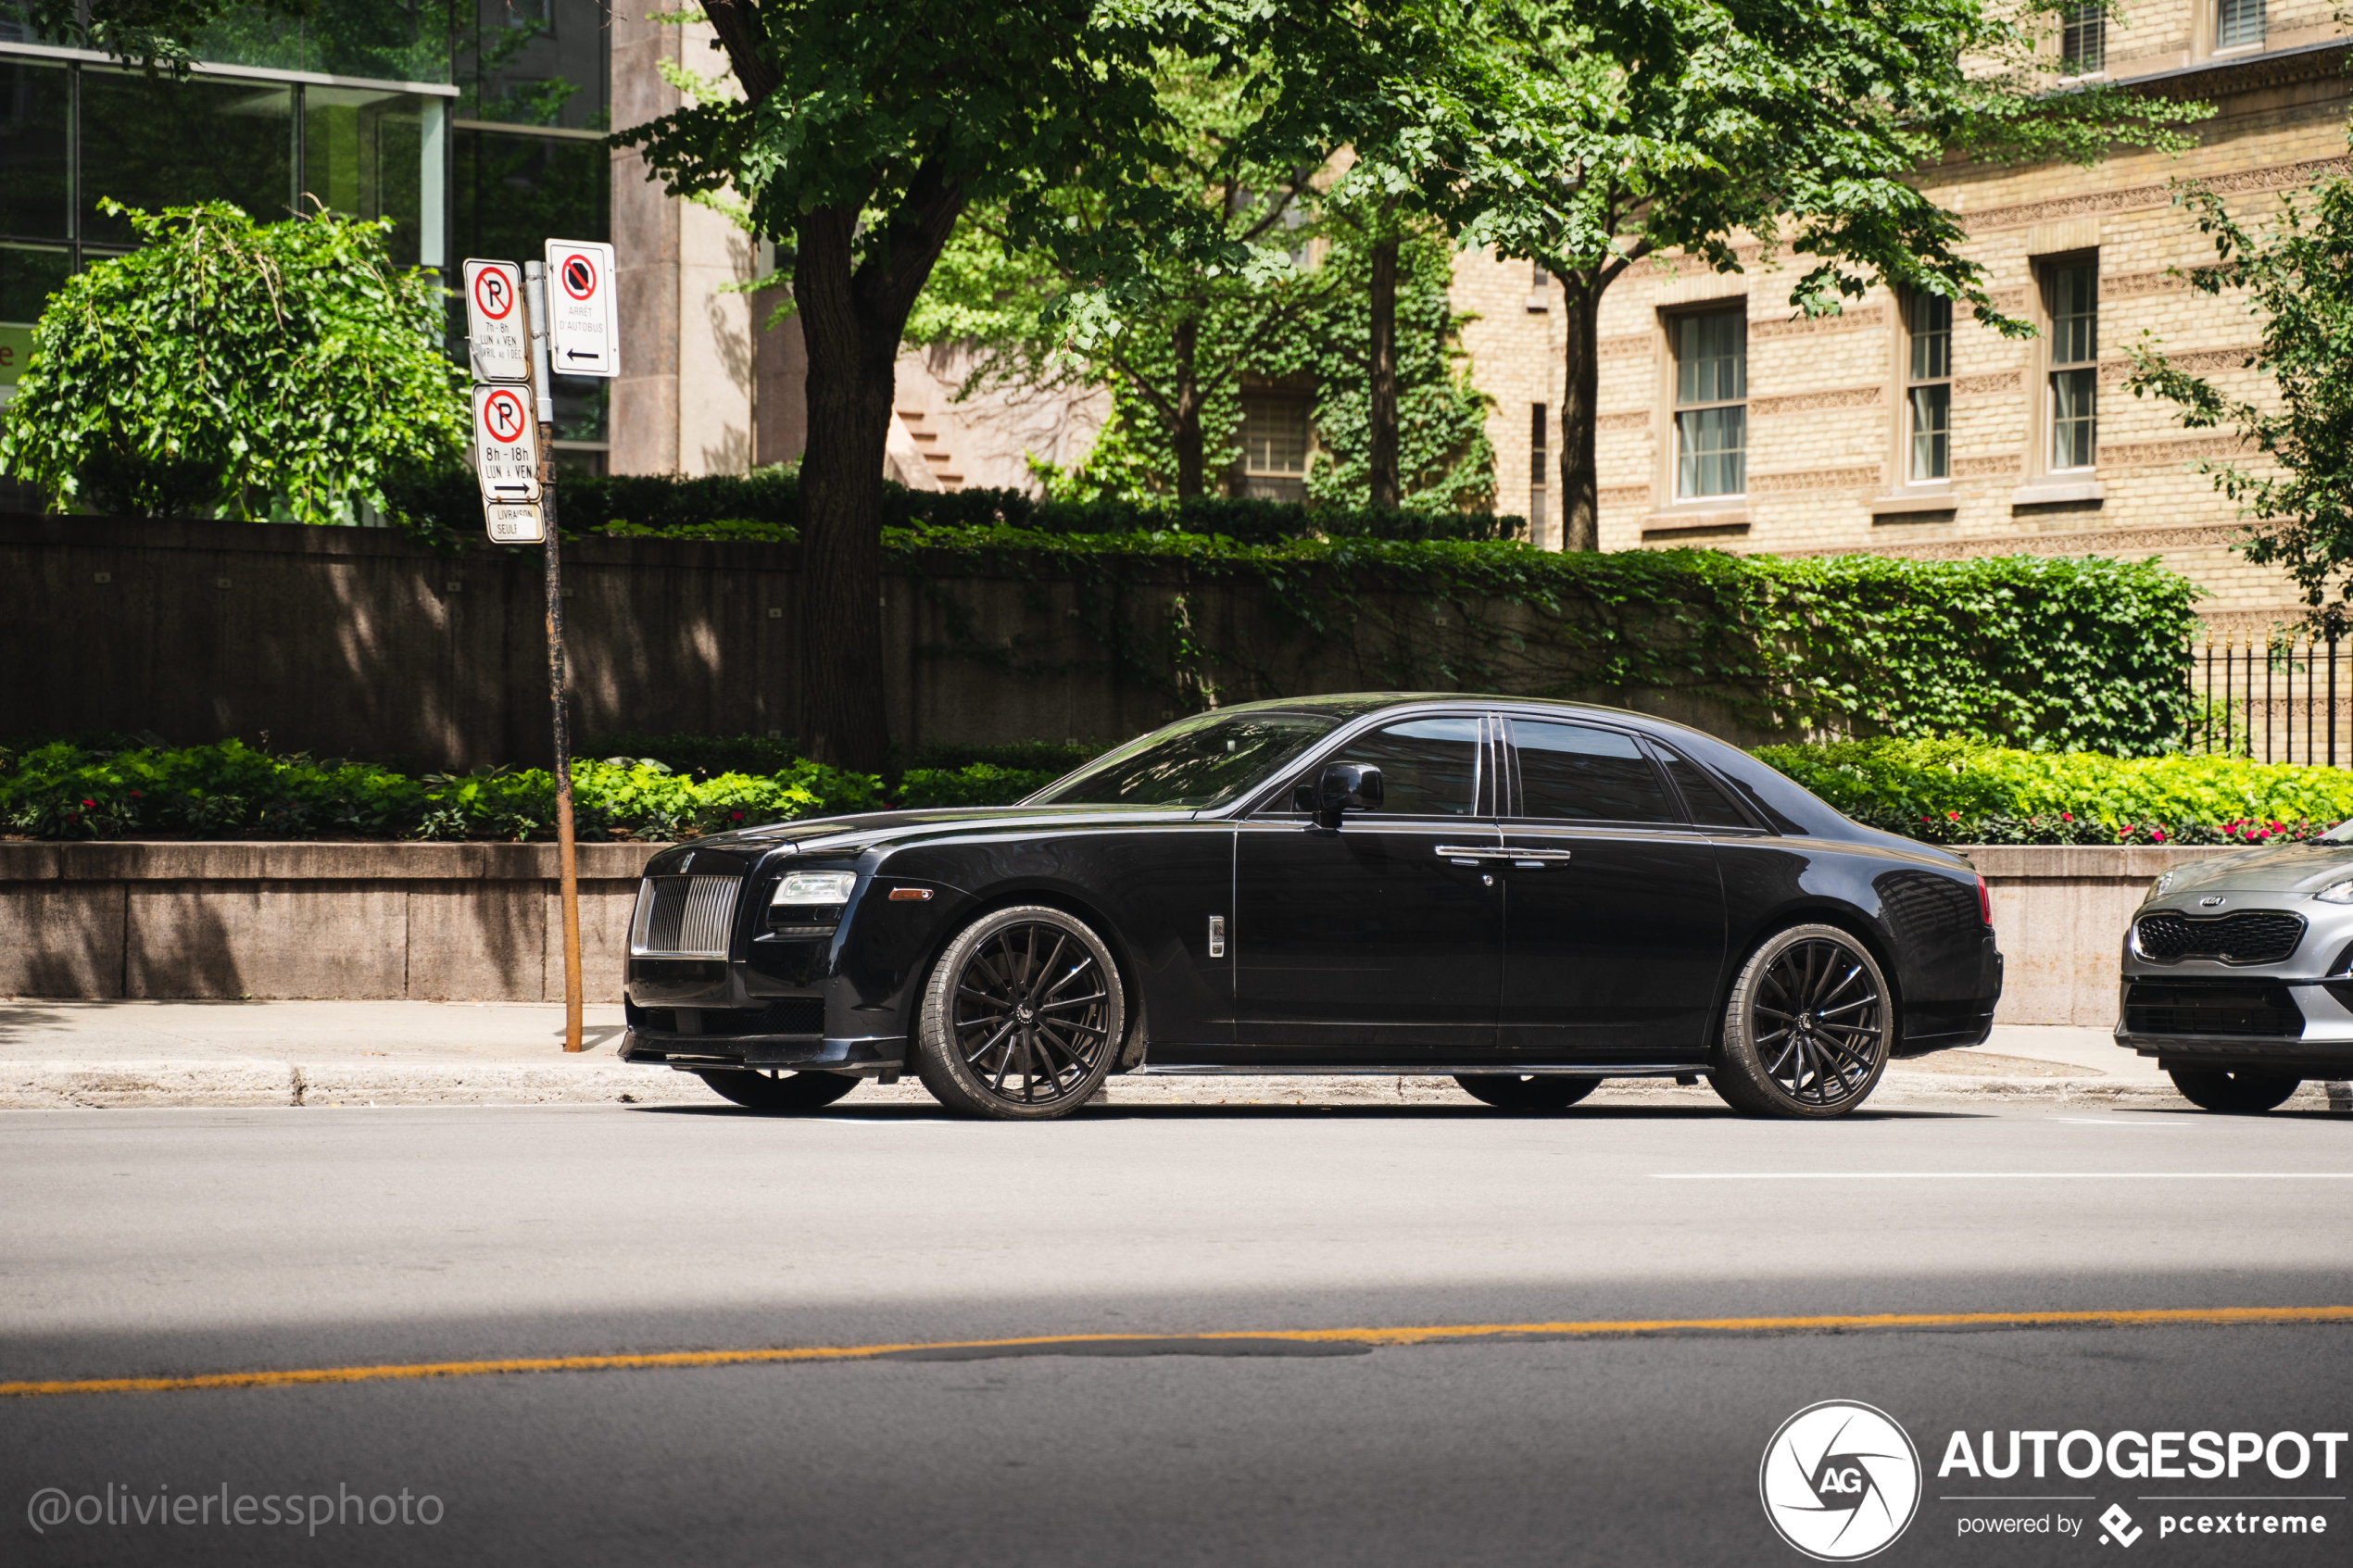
834, 834
2284, 868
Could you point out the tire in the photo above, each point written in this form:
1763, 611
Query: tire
779, 1091
1808, 1028
1021, 1016
1514, 1091
2233, 1091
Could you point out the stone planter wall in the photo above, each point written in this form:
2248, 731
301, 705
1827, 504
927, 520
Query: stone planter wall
2060, 913
469, 922
479, 921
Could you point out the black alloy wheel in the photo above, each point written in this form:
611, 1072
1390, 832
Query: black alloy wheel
1526, 1091
779, 1091
1021, 1017
1809, 1028
2233, 1091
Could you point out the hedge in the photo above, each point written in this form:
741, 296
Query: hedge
1963, 792
765, 504
2050, 652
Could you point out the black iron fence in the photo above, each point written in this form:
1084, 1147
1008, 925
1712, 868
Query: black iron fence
2271, 696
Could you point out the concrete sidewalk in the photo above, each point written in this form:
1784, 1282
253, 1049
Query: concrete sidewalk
58, 1055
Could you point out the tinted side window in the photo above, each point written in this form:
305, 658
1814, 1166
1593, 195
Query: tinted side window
1429, 767
1569, 770
1710, 807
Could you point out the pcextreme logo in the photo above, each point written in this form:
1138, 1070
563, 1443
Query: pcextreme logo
1840, 1480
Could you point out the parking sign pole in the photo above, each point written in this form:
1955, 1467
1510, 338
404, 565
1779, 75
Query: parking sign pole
536, 301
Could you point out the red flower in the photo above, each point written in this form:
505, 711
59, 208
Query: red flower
1954, 815
735, 816
2067, 816
134, 795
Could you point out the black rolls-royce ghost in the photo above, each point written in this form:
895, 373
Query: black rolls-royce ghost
1528, 895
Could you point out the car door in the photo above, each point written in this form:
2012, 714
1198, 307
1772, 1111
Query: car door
1378, 942
1614, 910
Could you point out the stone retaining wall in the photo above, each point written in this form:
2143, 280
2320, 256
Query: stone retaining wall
479, 921
473, 922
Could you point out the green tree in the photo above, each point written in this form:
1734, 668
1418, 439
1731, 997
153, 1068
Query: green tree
252, 369
2296, 276
1588, 134
861, 135
1186, 334
1310, 326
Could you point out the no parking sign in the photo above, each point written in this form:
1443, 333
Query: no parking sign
493, 320
506, 445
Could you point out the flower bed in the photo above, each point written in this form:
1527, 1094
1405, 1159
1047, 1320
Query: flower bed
1961, 792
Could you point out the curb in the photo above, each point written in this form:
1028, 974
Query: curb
71, 1086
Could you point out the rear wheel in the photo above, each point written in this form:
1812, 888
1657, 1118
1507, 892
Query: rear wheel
2234, 1091
1536, 1091
1808, 1028
779, 1091
1021, 1016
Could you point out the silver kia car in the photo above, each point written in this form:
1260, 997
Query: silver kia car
2238, 972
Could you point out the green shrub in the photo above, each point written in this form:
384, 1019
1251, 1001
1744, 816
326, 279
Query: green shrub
764, 506
102, 786
1949, 791
231, 791
982, 784
249, 369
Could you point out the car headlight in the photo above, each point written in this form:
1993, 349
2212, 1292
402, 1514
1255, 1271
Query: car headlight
2339, 893
2156, 888
815, 887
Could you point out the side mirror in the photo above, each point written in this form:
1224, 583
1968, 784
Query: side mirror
1344, 785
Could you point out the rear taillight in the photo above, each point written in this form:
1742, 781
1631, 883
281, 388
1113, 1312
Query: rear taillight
1984, 902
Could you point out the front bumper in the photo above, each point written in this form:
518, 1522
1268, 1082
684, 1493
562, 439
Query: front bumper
788, 1033
2238, 1021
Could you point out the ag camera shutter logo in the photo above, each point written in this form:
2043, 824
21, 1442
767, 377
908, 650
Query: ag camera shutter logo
1840, 1480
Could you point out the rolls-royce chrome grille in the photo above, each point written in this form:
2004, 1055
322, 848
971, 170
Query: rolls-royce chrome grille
684, 917
2249, 936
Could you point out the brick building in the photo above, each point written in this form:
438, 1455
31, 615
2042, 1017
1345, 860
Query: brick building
1899, 429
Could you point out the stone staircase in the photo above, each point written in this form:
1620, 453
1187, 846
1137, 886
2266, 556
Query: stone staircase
927, 442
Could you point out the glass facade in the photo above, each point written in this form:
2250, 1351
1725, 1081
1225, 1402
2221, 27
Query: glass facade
337, 111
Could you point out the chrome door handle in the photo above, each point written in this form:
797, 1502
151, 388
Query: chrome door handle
1471, 852
1536, 854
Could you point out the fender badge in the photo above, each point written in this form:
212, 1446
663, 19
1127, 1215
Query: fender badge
2209, 901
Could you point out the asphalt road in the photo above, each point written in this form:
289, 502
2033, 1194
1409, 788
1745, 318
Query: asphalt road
174, 1244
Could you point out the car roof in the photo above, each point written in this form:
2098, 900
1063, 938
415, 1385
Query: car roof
1350, 705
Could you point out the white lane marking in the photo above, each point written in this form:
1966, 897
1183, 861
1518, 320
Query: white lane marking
2001, 1175
2116, 1121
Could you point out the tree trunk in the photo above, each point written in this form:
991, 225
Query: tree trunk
851, 358
1580, 390
1185, 435
1384, 380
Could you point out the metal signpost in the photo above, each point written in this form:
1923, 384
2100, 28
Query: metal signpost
508, 324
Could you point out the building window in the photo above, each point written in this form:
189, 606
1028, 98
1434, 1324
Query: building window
1538, 472
2075, 373
1711, 409
2237, 23
1928, 381
1274, 447
2083, 39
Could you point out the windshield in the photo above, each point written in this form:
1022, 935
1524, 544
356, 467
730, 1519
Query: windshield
1204, 761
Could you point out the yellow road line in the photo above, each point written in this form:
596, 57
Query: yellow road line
1424, 1336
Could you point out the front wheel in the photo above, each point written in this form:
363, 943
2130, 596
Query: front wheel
1808, 1028
1533, 1091
1021, 1017
2241, 1091
779, 1091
